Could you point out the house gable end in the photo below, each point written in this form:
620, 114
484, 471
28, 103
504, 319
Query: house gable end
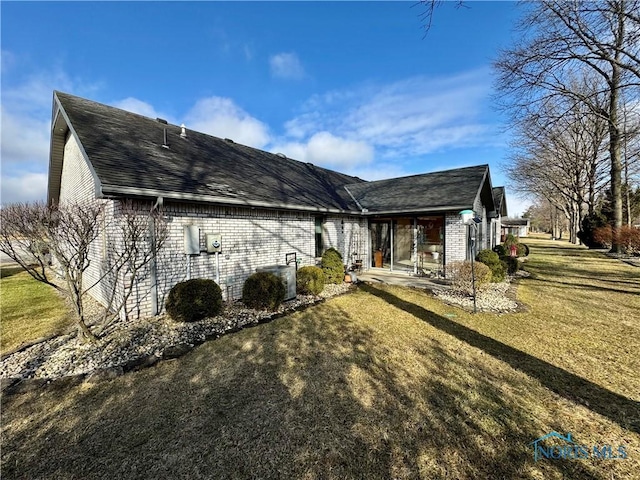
61, 128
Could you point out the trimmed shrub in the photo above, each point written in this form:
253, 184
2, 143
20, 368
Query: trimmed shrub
461, 279
333, 251
309, 280
509, 240
332, 266
511, 263
630, 239
590, 224
263, 290
492, 260
194, 300
603, 236
500, 250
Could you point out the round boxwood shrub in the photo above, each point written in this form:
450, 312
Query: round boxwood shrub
500, 250
263, 290
512, 264
590, 224
332, 266
492, 260
461, 279
194, 300
333, 251
309, 280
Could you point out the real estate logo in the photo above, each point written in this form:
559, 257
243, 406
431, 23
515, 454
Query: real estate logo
554, 446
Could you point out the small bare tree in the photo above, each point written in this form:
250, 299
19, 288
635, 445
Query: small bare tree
140, 231
37, 235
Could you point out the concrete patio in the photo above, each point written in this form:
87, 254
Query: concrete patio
402, 279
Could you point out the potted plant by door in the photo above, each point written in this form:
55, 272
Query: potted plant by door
377, 257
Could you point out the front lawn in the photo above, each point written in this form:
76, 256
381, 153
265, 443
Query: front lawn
30, 309
382, 383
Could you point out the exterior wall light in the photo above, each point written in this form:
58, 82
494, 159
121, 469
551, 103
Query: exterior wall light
471, 220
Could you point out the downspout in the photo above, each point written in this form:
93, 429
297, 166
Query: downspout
153, 266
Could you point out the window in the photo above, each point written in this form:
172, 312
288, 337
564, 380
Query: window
318, 237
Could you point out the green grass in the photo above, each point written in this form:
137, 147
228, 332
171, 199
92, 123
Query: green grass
29, 309
383, 383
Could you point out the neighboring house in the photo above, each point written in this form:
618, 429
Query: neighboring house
500, 212
518, 227
261, 206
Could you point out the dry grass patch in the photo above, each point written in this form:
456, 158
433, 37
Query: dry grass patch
30, 309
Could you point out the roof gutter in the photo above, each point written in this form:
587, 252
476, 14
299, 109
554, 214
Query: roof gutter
117, 190
415, 211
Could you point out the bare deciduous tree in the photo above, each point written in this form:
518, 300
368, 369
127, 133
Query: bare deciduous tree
560, 41
139, 232
44, 239
428, 9
561, 157
34, 234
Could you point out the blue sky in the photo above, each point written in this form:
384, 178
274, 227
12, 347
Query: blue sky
356, 87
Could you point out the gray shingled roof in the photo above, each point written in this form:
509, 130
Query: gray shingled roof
126, 152
500, 200
439, 191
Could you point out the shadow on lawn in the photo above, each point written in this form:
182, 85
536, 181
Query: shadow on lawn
9, 270
618, 408
579, 275
312, 396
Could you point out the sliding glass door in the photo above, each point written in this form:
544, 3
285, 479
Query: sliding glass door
403, 242
380, 243
412, 245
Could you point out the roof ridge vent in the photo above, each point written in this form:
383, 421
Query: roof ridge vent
281, 155
228, 140
161, 120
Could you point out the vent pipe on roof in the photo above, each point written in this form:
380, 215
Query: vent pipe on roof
183, 133
165, 144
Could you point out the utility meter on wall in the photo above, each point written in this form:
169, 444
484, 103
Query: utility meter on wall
214, 243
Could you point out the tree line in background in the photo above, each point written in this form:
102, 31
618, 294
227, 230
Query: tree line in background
571, 86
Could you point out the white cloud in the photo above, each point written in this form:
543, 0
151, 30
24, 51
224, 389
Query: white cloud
132, 104
287, 66
324, 148
26, 118
248, 52
25, 139
7, 60
381, 171
223, 118
27, 187
410, 117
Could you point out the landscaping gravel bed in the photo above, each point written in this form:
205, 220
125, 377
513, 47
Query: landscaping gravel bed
125, 345
495, 297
